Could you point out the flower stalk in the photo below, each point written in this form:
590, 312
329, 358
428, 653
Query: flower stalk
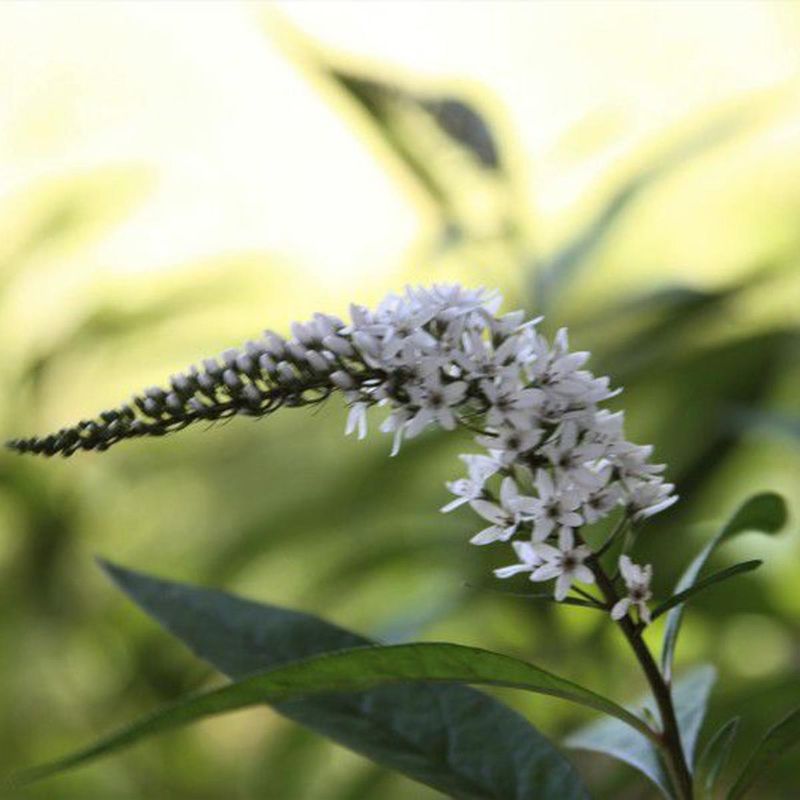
672, 748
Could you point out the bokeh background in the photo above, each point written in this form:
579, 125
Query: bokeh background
174, 177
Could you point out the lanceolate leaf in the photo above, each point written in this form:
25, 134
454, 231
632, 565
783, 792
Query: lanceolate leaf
778, 741
343, 671
762, 512
713, 759
454, 738
717, 577
610, 736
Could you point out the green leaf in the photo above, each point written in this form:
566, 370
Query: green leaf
454, 738
763, 512
717, 577
552, 275
713, 759
778, 741
346, 671
610, 736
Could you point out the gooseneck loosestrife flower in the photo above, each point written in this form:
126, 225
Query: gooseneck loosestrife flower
439, 357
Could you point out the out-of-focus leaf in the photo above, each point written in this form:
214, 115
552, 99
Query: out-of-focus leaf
778, 741
773, 422
713, 759
552, 275
452, 737
64, 214
462, 123
681, 597
609, 736
765, 513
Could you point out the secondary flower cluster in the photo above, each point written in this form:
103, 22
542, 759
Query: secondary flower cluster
553, 460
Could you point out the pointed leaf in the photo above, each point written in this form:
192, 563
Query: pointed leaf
713, 759
778, 741
717, 577
609, 736
763, 512
348, 670
454, 738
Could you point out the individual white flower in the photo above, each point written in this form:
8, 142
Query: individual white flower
571, 460
554, 366
529, 560
511, 443
505, 517
510, 404
632, 460
435, 401
479, 359
599, 504
480, 469
565, 565
555, 507
646, 498
637, 581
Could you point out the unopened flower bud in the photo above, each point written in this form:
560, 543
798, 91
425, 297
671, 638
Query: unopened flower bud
303, 333
296, 350
274, 344
212, 367
174, 403
342, 380
231, 380
285, 373
317, 362
266, 363
229, 357
338, 345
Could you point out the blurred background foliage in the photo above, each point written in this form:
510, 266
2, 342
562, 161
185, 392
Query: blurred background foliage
175, 177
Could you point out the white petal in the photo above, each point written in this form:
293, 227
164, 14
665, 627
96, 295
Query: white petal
525, 553
454, 392
453, 504
546, 572
583, 573
508, 492
487, 535
570, 519
625, 565
489, 511
547, 551
514, 569
544, 483
566, 539
562, 585
620, 608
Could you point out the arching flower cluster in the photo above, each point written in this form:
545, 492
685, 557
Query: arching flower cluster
561, 461
552, 460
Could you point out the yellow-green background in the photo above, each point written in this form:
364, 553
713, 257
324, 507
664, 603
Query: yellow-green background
176, 176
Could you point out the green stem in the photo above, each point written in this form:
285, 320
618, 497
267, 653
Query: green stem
670, 735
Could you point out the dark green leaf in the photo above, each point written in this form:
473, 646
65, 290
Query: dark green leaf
609, 736
717, 577
454, 738
465, 126
713, 759
778, 741
346, 671
763, 512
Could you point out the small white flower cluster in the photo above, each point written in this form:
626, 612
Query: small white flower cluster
442, 356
